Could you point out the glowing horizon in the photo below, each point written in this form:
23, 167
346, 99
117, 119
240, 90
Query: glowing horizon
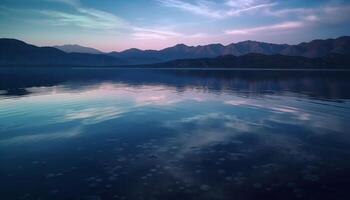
157, 24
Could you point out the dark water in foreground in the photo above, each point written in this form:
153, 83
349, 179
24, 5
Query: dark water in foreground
174, 134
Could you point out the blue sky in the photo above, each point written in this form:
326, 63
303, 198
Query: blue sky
154, 24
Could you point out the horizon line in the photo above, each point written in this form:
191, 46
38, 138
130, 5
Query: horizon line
201, 45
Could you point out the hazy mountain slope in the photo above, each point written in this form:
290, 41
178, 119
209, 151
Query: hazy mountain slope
15, 52
73, 48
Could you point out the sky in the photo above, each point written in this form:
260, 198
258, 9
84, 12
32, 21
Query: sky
115, 25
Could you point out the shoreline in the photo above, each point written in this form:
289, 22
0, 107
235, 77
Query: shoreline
172, 68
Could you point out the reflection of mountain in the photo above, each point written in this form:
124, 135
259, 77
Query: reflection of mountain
316, 84
15, 52
73, 48
260, 61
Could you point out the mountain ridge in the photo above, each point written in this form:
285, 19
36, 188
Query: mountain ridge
312, 49
75, 48
16, 52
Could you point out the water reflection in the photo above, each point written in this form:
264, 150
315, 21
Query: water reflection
82, 134
323, 84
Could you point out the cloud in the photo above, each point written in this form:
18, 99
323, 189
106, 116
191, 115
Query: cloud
94, 19
68, 2
274, 27
242, 6
328, 13
217, 10
84, 17
305, 17
104, 18
154, 33
200, 8
161, 34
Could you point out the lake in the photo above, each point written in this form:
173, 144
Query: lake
174, 134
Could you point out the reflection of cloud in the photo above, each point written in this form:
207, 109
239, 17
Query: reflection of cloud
236, 102
94, 115
42, 136
273, 106
307, 116
161, 95
109, 101
204, 134
299, 114
289, 146
155, 99
200, 118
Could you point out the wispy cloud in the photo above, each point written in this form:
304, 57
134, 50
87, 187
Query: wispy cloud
327, 13
94, 19
84, 17
217, 10
154, 33
238, 7
83, 20
305, 17
161, 34
275, 27
200, 7
68, 2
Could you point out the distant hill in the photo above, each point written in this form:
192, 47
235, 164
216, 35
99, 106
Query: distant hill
15, 52
74, 48
253, 60
313, 49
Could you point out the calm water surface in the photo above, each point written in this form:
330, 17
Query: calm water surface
174, 134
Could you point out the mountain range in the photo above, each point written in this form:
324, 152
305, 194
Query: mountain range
316, 52
16, 52
313, 49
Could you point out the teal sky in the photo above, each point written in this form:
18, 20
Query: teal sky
154, 24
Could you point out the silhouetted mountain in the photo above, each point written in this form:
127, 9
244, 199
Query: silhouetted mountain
246, 47
74, 48
15, 52
331, 61
313, 49
319, 48
137, 56
182, 51
318, 53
